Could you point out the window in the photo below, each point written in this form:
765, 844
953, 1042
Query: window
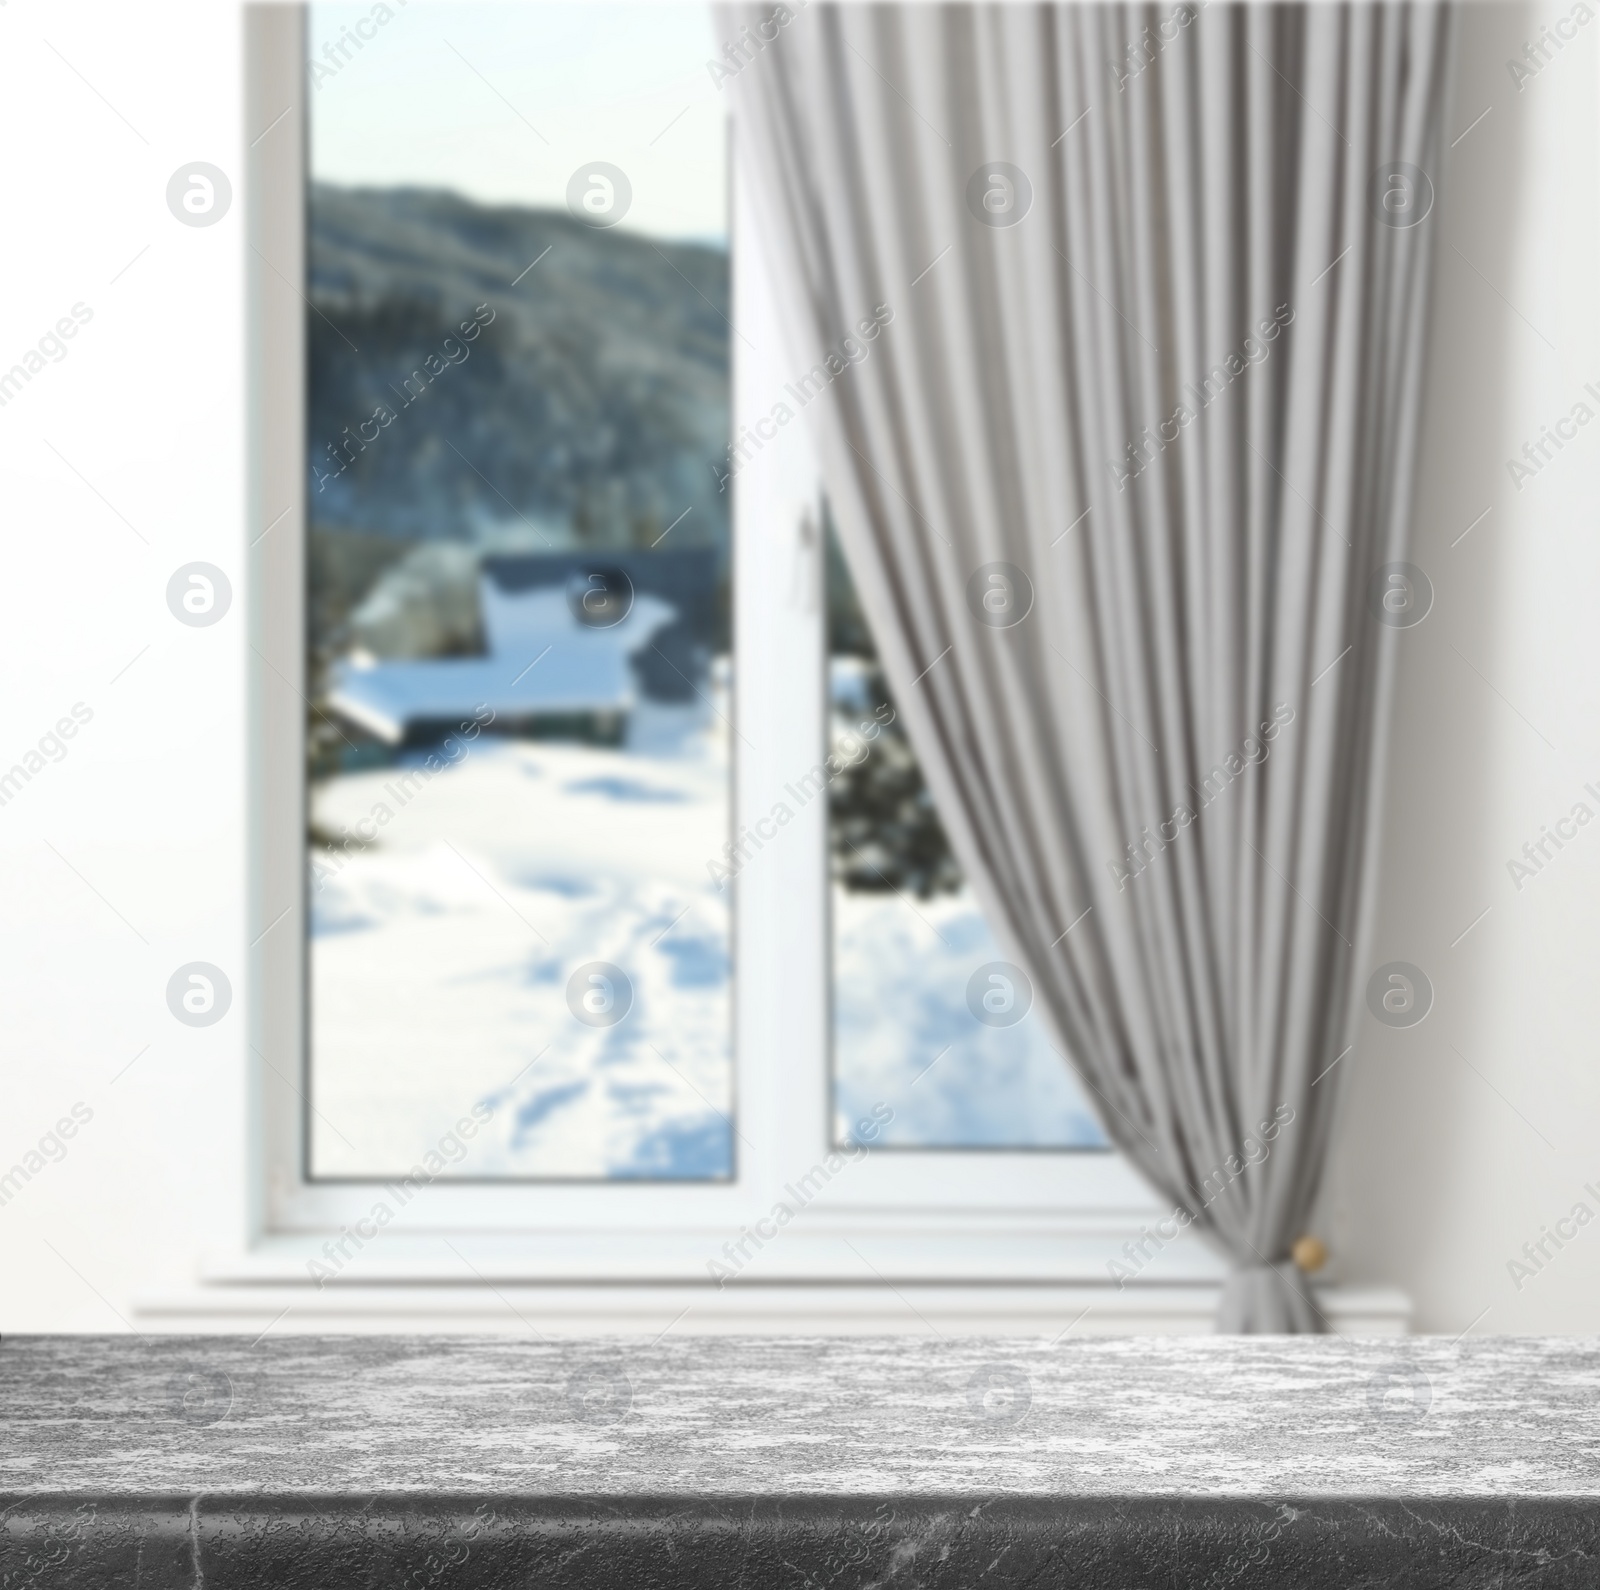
613, 929
519, 648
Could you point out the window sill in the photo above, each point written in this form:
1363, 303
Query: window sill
286, 1304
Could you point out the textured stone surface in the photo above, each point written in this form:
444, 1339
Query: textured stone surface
704, 1461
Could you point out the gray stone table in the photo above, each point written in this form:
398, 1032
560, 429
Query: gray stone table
428, 1463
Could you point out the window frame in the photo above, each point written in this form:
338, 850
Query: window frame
937, 1216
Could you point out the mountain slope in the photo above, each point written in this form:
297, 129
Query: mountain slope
595, 398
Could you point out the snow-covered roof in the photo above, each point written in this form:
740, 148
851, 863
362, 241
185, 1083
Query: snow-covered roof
541, 661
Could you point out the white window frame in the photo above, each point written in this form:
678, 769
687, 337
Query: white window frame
995, 1217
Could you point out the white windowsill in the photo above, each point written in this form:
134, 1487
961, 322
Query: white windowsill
516, 1308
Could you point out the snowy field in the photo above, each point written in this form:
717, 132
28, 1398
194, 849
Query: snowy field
441, 955
904, 1034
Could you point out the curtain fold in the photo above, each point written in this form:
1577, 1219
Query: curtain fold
1123, 474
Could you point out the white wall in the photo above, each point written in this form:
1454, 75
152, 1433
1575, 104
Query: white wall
126, 859
1463, 1136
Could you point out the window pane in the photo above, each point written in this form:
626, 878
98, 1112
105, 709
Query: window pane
518, 585
926, 1015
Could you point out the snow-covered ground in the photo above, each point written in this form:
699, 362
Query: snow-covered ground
441, 955
904, 1035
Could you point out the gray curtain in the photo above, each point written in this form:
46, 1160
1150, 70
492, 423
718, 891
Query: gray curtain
1110, 321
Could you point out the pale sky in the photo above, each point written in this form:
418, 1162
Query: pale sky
503, 102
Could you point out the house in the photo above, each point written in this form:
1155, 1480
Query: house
596, 645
